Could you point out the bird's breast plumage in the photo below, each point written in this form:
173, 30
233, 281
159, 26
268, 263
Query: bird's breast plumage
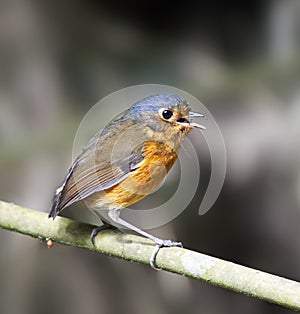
158, 158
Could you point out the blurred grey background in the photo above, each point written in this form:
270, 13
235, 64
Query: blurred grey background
242, 60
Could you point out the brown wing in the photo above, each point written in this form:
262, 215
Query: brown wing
107, 160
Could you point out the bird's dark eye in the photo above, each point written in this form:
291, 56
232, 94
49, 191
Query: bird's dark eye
167, 114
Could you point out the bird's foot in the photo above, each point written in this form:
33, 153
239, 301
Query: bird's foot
96, 230
159, 243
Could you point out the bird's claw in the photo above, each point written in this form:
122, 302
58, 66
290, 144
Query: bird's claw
96, 230
159, 244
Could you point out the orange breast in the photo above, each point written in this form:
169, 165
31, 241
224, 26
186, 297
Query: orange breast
158, 159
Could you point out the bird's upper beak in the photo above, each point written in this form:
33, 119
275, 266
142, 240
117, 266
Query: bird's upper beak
188, 123
196, 114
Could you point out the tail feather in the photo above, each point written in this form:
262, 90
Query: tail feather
55, 207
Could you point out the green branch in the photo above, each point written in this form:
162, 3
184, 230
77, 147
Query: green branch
234, 277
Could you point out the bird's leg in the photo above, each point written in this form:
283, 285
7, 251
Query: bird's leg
96, 230
115, 216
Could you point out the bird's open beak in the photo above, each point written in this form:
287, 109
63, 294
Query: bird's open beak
187, 123
196, 115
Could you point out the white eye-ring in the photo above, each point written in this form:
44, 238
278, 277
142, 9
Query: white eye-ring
166, 114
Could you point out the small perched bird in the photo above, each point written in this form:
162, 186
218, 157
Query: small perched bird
127, 160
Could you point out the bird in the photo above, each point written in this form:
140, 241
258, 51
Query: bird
127, 160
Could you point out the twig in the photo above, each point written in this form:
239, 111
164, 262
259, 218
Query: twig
222, 273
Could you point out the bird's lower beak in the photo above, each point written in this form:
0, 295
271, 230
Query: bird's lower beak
197, 125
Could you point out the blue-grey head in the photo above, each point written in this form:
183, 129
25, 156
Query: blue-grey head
165, 110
